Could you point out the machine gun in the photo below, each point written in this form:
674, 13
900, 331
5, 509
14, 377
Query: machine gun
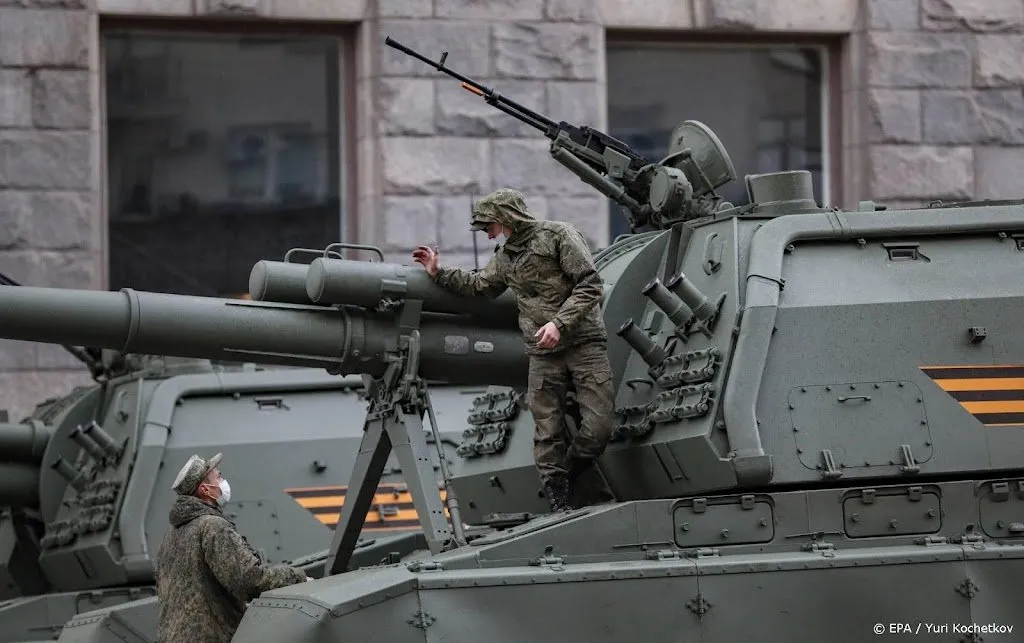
680, 187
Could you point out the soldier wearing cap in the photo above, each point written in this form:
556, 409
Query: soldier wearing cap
206, 571
549, 267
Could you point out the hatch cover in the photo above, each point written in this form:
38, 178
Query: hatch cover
861, 424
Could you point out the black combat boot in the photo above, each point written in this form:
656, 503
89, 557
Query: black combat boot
577, 467
586, 484
556, 491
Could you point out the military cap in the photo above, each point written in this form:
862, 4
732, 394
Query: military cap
486, 208
193, 473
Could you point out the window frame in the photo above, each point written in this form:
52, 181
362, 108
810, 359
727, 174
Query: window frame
346, 35
831, 48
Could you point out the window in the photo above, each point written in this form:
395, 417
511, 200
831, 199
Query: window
764, 103
222, 150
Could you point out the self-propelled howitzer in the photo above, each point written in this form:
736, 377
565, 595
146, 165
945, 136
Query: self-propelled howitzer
817, 426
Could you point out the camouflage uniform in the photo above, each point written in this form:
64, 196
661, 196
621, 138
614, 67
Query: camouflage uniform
549, 267
206, 572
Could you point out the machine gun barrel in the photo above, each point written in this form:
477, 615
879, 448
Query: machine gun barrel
588, 140
343, 339
512, 108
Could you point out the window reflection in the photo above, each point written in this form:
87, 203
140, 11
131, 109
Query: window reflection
764, 103
222, 150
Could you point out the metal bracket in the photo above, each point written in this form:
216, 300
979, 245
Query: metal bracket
394, 420
548, 559
489, 428
681, 403
1000, 491
633, 423
827, 550
970, 539
693, 367
830, 472
909, 463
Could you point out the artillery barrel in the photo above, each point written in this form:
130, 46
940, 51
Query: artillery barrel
365, 283
24, 443
19, 484
342, 340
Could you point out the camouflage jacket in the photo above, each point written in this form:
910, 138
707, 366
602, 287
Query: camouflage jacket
206, 573
548, 265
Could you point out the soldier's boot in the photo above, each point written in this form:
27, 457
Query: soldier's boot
586, 484
577, 467
556, 491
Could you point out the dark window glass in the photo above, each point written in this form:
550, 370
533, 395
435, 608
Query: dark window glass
764, 103
222, 150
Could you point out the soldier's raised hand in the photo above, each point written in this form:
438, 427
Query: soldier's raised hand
428, 257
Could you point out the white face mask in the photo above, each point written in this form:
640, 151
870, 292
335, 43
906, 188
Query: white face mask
225, 492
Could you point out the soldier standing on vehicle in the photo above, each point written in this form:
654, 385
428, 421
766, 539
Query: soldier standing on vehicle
549, 267
206, 571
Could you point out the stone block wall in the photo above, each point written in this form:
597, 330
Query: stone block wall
441, 147
944, 80
930, 95
50, 231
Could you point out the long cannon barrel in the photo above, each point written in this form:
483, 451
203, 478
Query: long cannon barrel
25, 443
342, 339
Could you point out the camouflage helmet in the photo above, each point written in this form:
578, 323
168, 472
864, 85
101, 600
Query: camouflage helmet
188, 479
486, 210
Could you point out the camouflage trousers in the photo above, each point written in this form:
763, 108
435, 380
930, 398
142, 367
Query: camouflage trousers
586, 367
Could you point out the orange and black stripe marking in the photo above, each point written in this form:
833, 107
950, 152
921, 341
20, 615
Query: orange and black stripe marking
392, 508
992, 394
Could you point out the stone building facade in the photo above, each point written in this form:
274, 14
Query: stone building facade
919, 100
